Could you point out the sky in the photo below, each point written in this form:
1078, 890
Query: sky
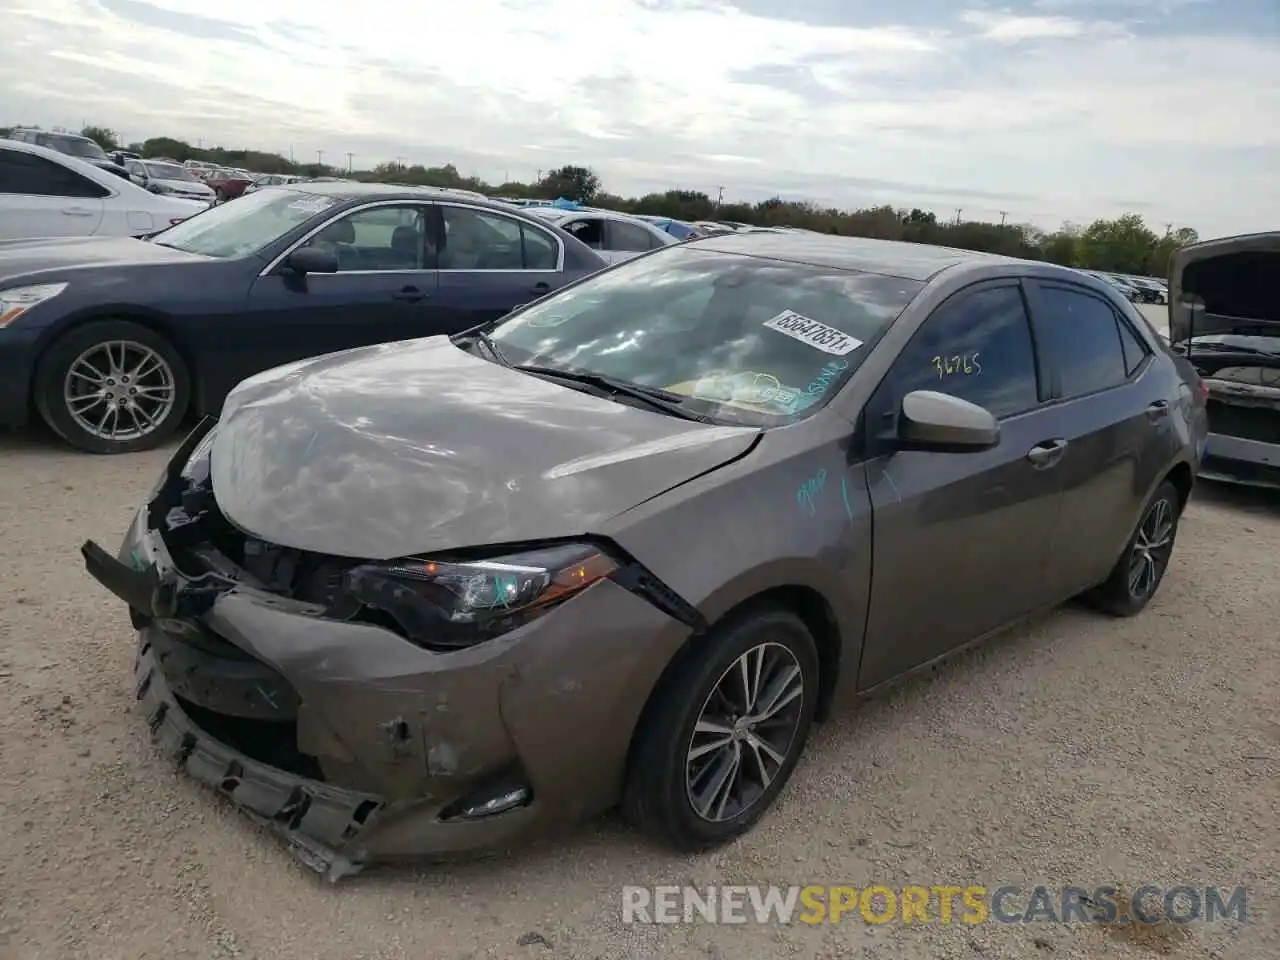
1045, 110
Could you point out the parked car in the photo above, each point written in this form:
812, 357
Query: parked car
228, 184
112, 341
1148, 290
72, 145
1127, 290
629, 542
169, 179
1224, 316
615, 236
274, 180
45, 193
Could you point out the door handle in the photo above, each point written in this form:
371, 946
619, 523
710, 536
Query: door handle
409, 295
540, 289
1157, 409
1047, 453
76, 212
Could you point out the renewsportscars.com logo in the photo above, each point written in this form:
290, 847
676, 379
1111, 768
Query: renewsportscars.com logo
942, 903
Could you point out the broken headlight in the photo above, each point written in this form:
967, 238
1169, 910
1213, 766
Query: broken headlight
452, 604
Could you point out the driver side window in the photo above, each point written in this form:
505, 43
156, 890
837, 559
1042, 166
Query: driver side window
977, 346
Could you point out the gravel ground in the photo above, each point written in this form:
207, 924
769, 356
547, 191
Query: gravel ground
1079, 750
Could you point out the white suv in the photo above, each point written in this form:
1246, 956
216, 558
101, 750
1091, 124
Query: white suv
44, 193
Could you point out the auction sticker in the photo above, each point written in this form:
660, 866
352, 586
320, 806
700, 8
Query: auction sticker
815, 334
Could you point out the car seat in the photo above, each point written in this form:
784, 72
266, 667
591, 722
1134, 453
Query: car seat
406, 248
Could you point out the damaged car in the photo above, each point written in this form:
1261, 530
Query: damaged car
1224, 316
626, 544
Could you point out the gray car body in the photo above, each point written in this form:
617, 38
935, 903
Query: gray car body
905, 557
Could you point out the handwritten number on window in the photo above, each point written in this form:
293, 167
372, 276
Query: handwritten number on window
964, 364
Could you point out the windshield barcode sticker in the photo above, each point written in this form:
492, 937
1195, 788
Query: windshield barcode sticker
815, 334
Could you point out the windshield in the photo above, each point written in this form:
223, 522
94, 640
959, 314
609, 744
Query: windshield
76, 147
168, 171
741, 338
238, 229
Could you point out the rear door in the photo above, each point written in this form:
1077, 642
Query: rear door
40, 198
1110, 406
384, 290
491, 263
961, 539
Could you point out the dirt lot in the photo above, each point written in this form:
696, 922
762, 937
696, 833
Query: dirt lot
1079, 751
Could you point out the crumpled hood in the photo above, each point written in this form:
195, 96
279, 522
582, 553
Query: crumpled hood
412, 447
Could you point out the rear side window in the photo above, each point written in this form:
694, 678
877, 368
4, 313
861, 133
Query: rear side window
1082, 340
1134, 351
977, 346
22, 173
628, 237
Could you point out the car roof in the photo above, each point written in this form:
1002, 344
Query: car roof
910, 261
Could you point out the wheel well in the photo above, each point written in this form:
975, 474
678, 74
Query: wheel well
1182, 478
807, 604
152, 323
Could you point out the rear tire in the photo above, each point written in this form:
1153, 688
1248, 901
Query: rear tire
112, 386
1140, 570
685, 743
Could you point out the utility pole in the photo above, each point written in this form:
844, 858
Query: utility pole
1003, 214
400, 162
319, 158
958, 209
719, 196
291, 160
349, 160
539, 180
199, 143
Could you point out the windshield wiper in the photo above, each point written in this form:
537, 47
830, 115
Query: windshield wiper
658, 399
484, 338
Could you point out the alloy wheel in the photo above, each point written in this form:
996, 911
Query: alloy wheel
119, 390
745, 732
1152, 548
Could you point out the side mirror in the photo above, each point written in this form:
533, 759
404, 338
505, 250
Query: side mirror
941, 423
306, 260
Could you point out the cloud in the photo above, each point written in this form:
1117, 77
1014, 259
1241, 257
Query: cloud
1049, 110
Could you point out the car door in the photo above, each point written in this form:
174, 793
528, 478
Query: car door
41, 198
384, 289
961, 539
624, 240
491, 263
1110, 409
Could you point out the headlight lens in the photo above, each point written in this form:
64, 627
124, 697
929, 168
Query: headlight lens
18, 300
450, 604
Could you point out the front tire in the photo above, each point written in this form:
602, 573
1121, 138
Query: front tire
725, 730
112, 387
1140, 570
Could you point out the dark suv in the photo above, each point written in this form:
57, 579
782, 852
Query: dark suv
1224, 316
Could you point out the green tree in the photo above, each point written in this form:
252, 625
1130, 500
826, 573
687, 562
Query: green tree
570, 182
1124, 245
104, 137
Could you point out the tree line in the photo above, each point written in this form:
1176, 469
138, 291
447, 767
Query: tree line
1125, 244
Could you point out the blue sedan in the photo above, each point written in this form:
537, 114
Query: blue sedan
113, 341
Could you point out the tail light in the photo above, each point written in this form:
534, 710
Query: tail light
1202, 393
174, 221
